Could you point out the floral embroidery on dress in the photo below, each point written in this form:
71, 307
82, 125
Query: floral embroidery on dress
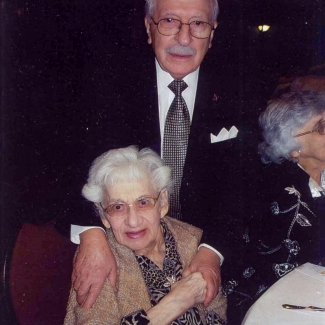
278, 240
282, 269
291, 246
230, 287
248, 272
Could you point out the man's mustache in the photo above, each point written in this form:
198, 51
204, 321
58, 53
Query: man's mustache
180, 50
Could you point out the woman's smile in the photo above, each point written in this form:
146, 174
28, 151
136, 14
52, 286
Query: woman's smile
136, 234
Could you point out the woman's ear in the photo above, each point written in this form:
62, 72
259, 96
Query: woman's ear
102, 217
295, 154
164, 202
105, 222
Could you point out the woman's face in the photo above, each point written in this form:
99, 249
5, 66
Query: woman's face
138, 230
312, 153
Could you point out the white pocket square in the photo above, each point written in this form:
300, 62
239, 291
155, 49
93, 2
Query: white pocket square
224, 135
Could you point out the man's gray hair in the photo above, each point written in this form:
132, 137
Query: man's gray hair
150, 6
281, 120
125, 164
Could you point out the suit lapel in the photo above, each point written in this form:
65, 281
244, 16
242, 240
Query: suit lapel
143, 115
154, 112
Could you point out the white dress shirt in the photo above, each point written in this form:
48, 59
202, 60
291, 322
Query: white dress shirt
165, 98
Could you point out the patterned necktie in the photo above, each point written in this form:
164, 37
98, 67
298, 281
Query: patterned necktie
177, 130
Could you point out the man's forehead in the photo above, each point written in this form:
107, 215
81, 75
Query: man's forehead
197, 8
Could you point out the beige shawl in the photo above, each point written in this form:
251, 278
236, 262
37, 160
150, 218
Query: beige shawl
132, 294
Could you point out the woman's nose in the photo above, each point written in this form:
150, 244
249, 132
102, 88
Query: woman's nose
133, 217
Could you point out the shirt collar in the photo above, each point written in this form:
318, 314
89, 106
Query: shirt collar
164, 78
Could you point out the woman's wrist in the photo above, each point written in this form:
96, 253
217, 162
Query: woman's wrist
167, 310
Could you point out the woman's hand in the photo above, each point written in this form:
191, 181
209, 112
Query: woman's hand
183, 295
93, 264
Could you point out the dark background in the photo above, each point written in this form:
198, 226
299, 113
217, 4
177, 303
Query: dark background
52, 50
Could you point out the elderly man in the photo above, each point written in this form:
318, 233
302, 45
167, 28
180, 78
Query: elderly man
180, 32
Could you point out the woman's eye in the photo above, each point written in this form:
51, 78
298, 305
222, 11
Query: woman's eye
118, 207
143, 202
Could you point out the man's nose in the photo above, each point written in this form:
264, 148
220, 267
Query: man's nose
184, 36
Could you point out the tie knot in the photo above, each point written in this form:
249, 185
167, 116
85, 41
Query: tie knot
177, 86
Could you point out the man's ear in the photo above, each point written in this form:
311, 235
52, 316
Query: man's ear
164, 203
212, 33
147, 21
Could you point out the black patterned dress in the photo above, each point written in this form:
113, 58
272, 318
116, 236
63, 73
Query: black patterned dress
159, 283
287, 229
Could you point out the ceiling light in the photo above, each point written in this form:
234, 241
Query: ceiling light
263, 28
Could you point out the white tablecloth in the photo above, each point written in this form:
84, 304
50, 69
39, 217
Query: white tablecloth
304, 286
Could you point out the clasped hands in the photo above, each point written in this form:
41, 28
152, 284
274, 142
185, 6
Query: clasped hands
95, 263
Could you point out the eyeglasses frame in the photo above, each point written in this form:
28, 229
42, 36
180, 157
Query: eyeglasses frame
312, 131
181, 24
155, 200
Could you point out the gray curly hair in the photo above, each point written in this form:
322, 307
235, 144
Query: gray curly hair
281, 120
123, 164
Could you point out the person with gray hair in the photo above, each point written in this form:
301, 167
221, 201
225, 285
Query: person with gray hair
288, 224
129, 163
130, 189
283, 119
145, 111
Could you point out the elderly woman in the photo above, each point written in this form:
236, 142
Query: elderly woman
130, 190
289, 224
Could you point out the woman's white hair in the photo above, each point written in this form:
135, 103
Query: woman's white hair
281, 120
125, 164
150, 7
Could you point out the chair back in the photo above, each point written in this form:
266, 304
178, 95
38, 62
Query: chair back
39, 278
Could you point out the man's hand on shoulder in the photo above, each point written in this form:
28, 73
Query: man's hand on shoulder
208, 263
93, 264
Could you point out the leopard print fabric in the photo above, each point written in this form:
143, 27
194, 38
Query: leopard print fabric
159, 283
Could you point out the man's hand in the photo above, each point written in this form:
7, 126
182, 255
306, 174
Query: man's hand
208, 263
94, 263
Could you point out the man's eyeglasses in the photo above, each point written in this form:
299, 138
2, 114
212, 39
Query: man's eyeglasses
171, 26
320, 130
121, 209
